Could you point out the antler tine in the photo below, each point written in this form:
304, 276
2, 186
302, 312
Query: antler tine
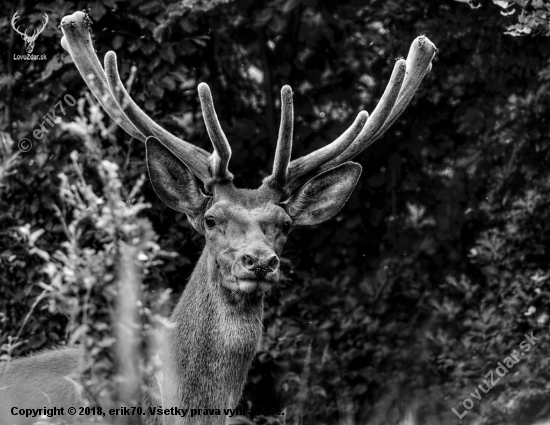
284, 142
132, 119
219, 160
405, 79
418, 64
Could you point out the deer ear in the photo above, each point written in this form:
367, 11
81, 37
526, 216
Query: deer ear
172, 181
324, 195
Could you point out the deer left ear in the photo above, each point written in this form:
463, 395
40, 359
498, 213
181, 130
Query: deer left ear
324, 195
172, 181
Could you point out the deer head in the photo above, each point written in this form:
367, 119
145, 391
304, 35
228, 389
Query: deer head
29, 39
246, 229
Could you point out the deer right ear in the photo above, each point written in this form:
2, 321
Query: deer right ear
172, 181
324, 195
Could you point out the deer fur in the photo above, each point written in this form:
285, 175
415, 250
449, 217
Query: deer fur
210, 349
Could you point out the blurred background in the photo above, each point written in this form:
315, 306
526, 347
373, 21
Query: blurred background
432, 273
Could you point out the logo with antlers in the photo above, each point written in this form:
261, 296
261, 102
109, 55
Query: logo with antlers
29, 39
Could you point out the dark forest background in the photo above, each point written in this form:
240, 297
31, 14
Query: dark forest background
432, 273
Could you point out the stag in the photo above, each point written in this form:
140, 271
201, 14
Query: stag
217, 323
29, 39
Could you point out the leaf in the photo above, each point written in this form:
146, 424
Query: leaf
201, 40
502, 3
117, 42
474, 4
149, 48
168, 82
53, 65
290, 5
151, 7
97, 10
33, 237
41, 253
6, 80
263, 17
167, 53
78, 333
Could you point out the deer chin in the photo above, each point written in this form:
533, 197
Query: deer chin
251, 286
247, 286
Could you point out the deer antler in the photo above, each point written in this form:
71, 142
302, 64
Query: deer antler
14, 23
36, 33
113, 97
284, 142
222, 151
286, 175
404, 81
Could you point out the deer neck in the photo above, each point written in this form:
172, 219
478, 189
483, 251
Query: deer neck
214, 340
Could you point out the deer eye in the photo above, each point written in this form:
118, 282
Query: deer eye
209, 222
286, 227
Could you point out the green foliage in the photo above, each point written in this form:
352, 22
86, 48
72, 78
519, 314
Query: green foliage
533, 16
432, 273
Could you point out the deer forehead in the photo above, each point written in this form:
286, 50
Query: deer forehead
242, 214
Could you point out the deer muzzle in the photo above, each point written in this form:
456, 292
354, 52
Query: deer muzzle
256, 269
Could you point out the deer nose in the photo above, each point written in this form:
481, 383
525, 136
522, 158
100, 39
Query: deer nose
260, 263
